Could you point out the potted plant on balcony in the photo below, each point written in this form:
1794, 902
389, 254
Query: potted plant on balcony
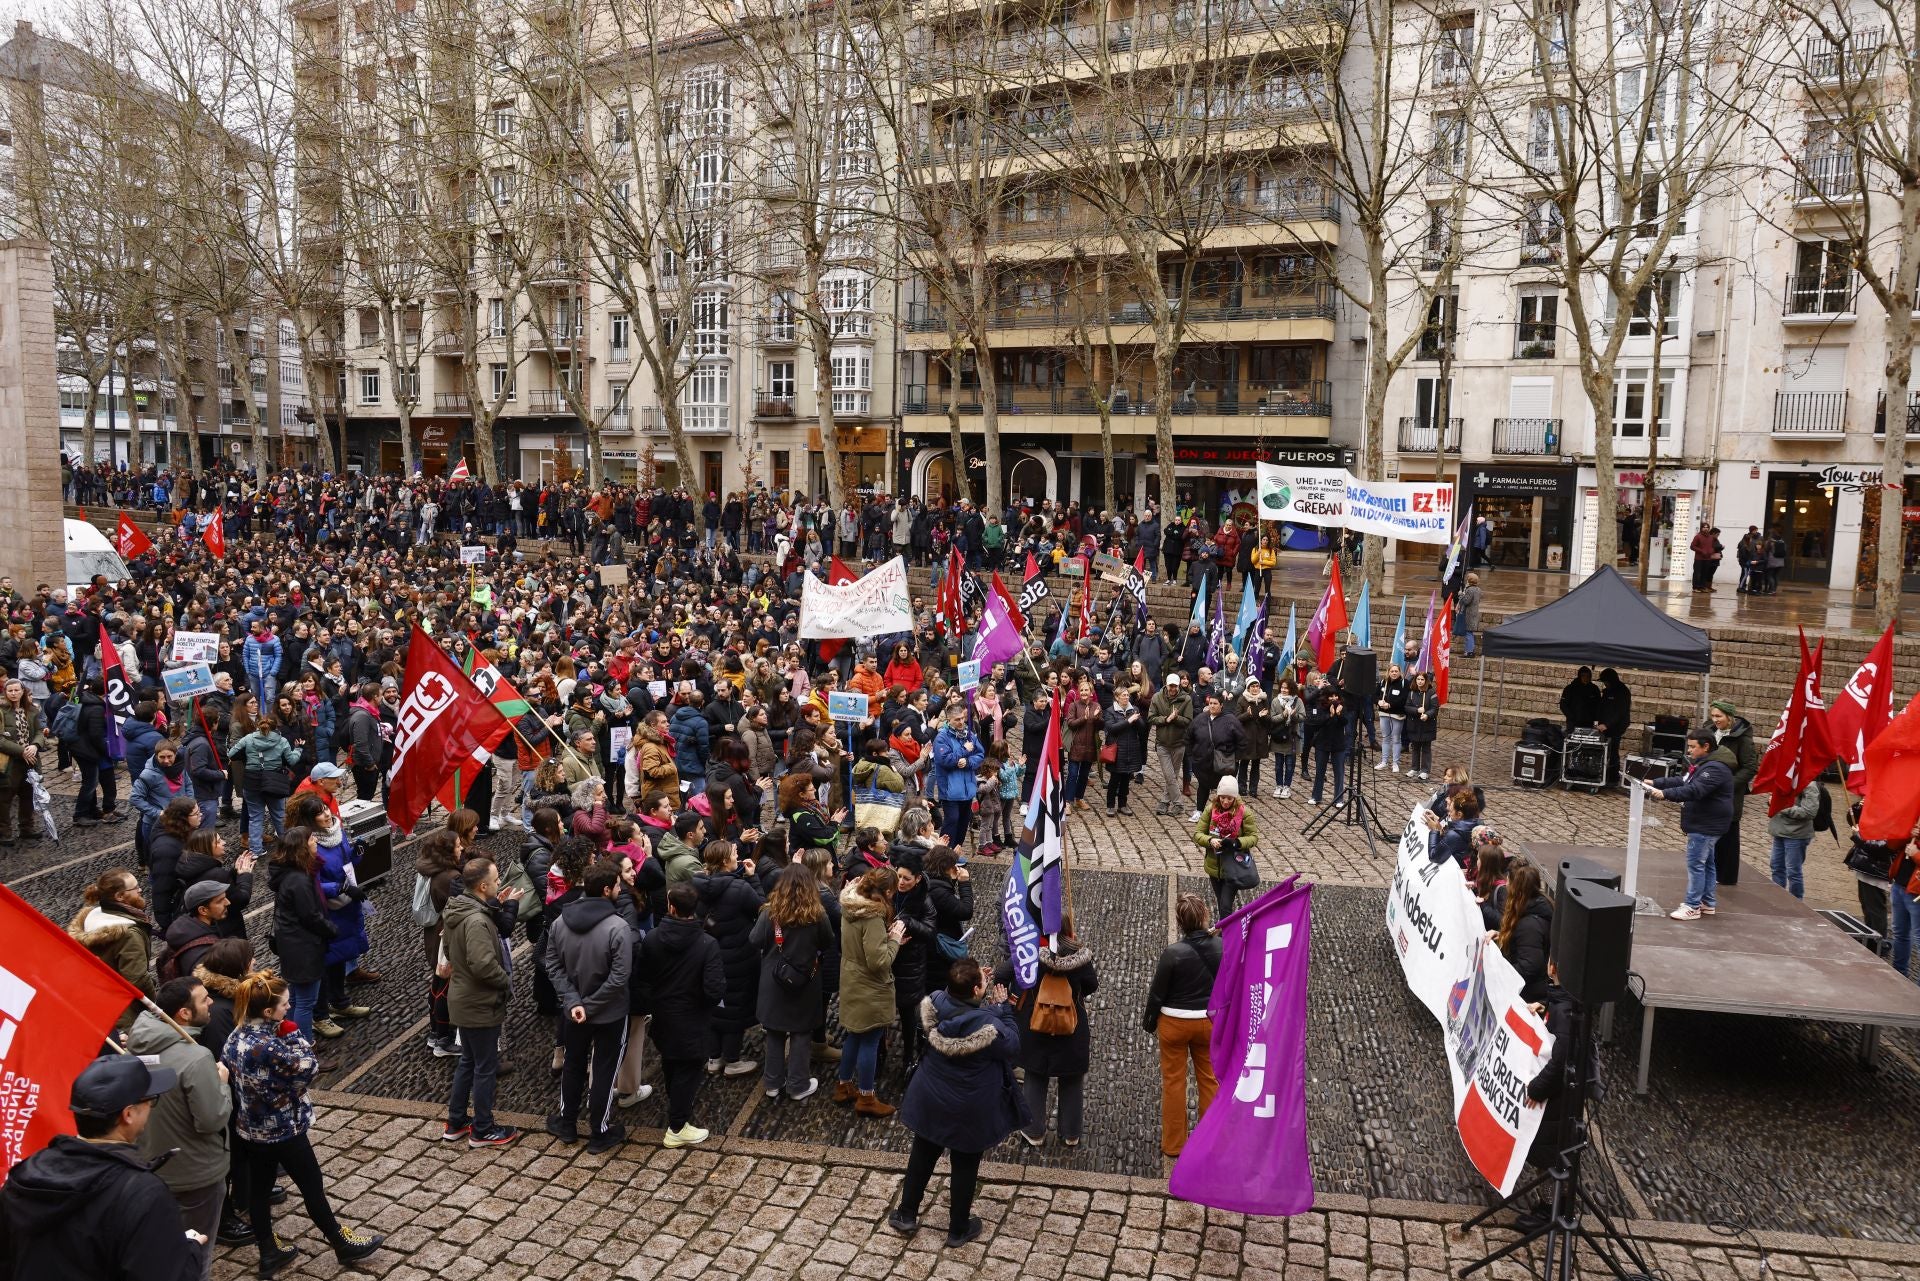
1536, 351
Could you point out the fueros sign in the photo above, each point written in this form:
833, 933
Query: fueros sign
1523, 482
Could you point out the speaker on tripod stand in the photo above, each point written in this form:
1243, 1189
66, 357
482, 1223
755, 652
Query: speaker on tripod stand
1358, 681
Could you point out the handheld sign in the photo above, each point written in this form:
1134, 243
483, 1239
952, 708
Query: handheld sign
195, 647
611, 575
185, 682
473, 555
846, 706
1111, 568
969, 675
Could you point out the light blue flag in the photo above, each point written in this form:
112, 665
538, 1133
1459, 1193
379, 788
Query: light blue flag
1243, 621
1200, 606
1399, 634
1293, 638
1362, 625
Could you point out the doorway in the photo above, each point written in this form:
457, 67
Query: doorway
1029, 479
1802, 513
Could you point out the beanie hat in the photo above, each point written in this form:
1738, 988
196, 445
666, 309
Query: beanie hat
1228, 786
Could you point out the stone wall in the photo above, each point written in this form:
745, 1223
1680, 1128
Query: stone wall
32, 545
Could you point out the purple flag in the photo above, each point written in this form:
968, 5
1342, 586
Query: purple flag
996, 640
1249, 1152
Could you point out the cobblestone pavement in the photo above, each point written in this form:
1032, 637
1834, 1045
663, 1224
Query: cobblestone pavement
739, 1208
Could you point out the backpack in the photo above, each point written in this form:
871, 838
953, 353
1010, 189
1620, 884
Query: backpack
66, 725
1054, 1013
424, 913
1823, 817
789, 976
171, 964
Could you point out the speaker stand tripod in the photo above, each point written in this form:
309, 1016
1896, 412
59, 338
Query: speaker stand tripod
1565, 1228
1354, 809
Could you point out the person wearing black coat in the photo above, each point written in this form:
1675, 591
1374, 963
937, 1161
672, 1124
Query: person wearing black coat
913, 909
1525, 931
90, 752
1033, 725
1048, 1057
730, 901
1177, 1016
1214, 740
301, 930
792, 937
950, 893
682, 974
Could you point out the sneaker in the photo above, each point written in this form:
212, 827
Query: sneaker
1707, 909
1396, 767
684, 1137
455, 1132
511, 820
1279, 793
1685, 913
635, 1099
813, 1085
497, 1137
905, 1224
1381, 765
328, 1028
1031, 1141
1286, 793
352, 1011
770, 1091
442, 1049
608, 1139
1194, 817
352, 1246
713, 1067
966, 1235
562, 1129
740, 1067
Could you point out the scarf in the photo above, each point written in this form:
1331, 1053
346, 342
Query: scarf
1226, 822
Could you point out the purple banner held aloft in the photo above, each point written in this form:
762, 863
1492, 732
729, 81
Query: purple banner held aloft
997, 640
1249, 1152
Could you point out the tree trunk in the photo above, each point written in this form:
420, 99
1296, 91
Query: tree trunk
1606, 530
1649, 491
87, 419
1372, 416
957, 440
1893, 451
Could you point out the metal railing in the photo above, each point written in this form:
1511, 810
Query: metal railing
776, 332
1851, 59
548, 400
451, 402
1420, 435
1315, 302
1809, 413
1088, 41
1311, 399
1317, 205
1913, 415
1526, 435
1535, 340
773, 407
1819, 293
1827, 177
1008, 137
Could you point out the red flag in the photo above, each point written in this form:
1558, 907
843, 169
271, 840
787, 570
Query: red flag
460, 471
215, 535
1799, 748
82, 513
443, 718
129, 541
1862, 710
1033, 588
838, 575
1891, 807
1442, 650
488, 680
58, 1004
948, 609
1329, 620
1013, 606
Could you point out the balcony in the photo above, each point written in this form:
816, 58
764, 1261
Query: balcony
1913, 416
453, 404
449, 342
548, 401
1300, 103
1311, 301
1534, 436
554, 273
775, 331
560, 341
1844, 62
1312, 399
773, 407
1827, 179
1803, 415
1289, 204
695, 420
1420, 436
1535, 340
1820, 297
614, 421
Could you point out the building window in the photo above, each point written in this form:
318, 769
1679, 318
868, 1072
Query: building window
1453, 58
709, 102
503, 388
619, 329
369, 326
1640, 323
496, 318
503, 120
75, 402
782, 470
406, 384
1631, 408
710, 324
852, 381
710, 177
501, 183
620, 125
1437, 336
369, 386
1540, 232
704, 408
780, 380
847, 298
1539, 327
1439, 244
1448, 159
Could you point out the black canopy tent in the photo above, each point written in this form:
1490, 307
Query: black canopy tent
1603, 622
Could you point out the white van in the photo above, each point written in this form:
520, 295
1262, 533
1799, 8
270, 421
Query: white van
90, 552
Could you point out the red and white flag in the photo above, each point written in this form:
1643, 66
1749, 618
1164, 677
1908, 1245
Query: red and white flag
1328, 621
1863, 709
215, 534
58, 1004
1799, 749
128, 540
443, 718
1891, 806
459, 471
1439, 645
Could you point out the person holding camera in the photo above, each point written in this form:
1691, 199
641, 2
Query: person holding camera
1227, 831
1326, 734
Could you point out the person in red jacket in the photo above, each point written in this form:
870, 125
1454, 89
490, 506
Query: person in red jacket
904, 669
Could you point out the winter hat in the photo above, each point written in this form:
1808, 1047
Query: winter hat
1228, 786
1725, 705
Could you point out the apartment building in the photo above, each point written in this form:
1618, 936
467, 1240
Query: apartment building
1193, 121
75, 137
559, 144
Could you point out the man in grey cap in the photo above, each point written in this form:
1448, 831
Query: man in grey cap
90, 1205
194, 931
190, 1120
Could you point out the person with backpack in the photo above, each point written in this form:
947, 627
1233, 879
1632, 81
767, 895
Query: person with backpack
205, 859
1791, 829
204, 906
730, 901
1056, 1042
1176, 1015
266, 762
792, 936
81, 728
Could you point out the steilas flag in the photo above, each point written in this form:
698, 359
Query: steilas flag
1891, 807
443, 718
128, 540
1328, 621
1033, 591
1799, 749
58, 1004
215, 534
1862, 710
1249, 1152
838, 575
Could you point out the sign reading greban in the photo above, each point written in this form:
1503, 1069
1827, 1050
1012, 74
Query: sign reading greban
1411, 511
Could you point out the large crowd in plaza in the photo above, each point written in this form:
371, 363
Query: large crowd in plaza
703, 850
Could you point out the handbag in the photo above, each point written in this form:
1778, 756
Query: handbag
950, 947
878, 808
1110, 754
788, 975
1236, 866
532, 901
1224, 762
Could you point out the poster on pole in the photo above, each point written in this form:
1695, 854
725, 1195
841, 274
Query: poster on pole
473, 554
1111, 568
611, 575
875, 604
185, 682
1495, 1044
844, 705
969, 675
195, 647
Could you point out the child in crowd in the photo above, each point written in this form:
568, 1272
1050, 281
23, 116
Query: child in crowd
990, 808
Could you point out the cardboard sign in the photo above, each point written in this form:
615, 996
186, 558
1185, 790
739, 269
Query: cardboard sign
195, 647
185, 682
846, 706
612, 575
618, 739
473, 555
1074, 566
1111, 568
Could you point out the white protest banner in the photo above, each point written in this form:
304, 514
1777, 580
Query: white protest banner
873, 605
1302, 495
1495, 1045
195, 647
1417, 511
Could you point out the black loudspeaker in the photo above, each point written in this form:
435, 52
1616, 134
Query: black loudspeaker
1569, 871
1594, 949
1360, 677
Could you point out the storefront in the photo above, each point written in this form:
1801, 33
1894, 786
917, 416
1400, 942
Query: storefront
1035, 468
863, 459
1671, 519
1530, 509
547, 456
1213, 476
1827, 514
